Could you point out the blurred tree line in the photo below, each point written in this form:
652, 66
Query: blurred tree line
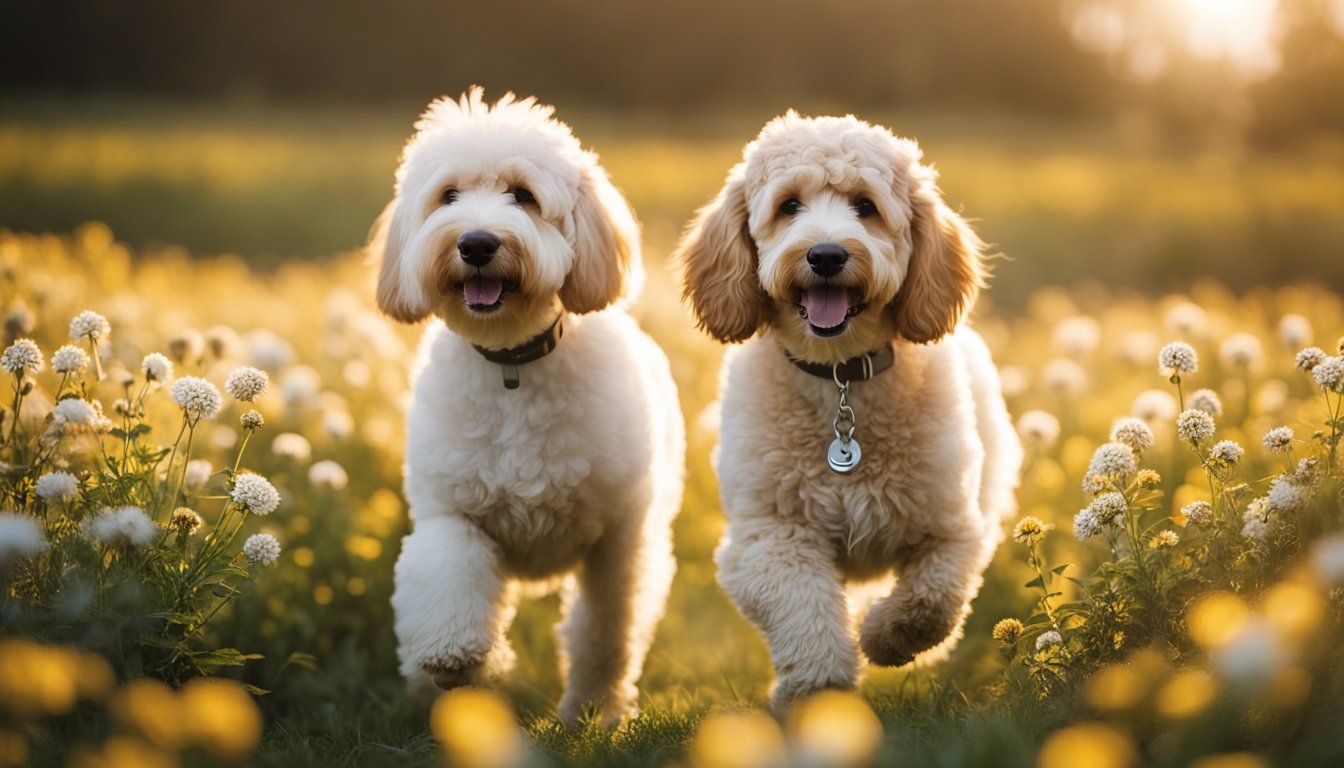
1019, 55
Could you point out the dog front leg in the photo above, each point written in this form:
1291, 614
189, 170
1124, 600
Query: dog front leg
928, 605
784, 580
449, 603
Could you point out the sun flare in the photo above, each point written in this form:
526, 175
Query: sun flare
1242, 32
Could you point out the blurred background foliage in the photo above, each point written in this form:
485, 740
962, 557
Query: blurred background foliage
1143, 142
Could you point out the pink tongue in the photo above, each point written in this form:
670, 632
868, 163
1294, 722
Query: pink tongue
482, 290
826, 305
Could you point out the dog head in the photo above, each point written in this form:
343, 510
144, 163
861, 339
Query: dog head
832, 232
500, 219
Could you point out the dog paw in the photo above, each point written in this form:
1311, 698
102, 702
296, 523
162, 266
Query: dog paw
896, 630
455, 673
786, 692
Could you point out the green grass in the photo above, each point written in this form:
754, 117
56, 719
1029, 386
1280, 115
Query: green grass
287, 190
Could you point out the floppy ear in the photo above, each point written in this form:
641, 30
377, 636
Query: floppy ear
386, 243
718, 260
946, 267
607, 262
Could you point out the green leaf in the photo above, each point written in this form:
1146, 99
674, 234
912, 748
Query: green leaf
1060, 569
306, 660
1034, 583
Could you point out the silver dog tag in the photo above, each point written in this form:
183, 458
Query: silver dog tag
843, 458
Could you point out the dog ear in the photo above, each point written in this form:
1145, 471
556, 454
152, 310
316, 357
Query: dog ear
387, 241
718, 260
606, 246
946, 269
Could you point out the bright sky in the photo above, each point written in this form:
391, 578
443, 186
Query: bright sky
1145, 34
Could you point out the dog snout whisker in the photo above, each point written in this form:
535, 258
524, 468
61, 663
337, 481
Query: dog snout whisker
478, 247
827, 259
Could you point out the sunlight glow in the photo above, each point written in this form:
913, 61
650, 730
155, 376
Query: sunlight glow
1241, 31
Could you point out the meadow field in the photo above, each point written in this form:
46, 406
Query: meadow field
225, 239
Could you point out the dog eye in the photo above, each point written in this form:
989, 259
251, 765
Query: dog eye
522, 196
790, 207
864, 207
448, 197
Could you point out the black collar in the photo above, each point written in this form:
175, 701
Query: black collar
861, 368
534, 348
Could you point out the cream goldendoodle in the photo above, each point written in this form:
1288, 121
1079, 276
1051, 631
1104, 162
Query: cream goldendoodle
544, 437
864, 433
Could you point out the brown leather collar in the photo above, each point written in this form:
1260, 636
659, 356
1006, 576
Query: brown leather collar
861, 368
531, 350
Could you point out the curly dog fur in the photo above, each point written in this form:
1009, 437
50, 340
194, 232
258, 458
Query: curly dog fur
578, 472
940, 458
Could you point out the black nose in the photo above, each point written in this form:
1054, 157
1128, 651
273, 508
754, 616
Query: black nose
477, 247
827, 259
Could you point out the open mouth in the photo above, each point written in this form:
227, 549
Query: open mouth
485, 294
828, 308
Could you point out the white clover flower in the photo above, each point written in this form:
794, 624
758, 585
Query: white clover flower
1108, 506
1279, 439
157, 367
70, 359
1086, 525
1327, 559
1038, 428
1309, 358
91, 324
1164, 540
1177, 358
1154, 405
57, 485
1329, 374
255, 493
185, 521
122, 527
1258, 522
338, 424
1240, 350
328, 474
1307, 473
20, 320
261, 549
21, 536
1076, 336
1133, 432
292, 445
72, 410
269, 351
197, 473
1110, 462
1064, 377
186, 345
1226, 451
1186, 319
1206, 400
222, 340
1294, 330
1198, 512
23, 356
1031, 530
299, 386
246, 383
1048, 639
1286, 496
198, 397
252, 420
1194, 425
